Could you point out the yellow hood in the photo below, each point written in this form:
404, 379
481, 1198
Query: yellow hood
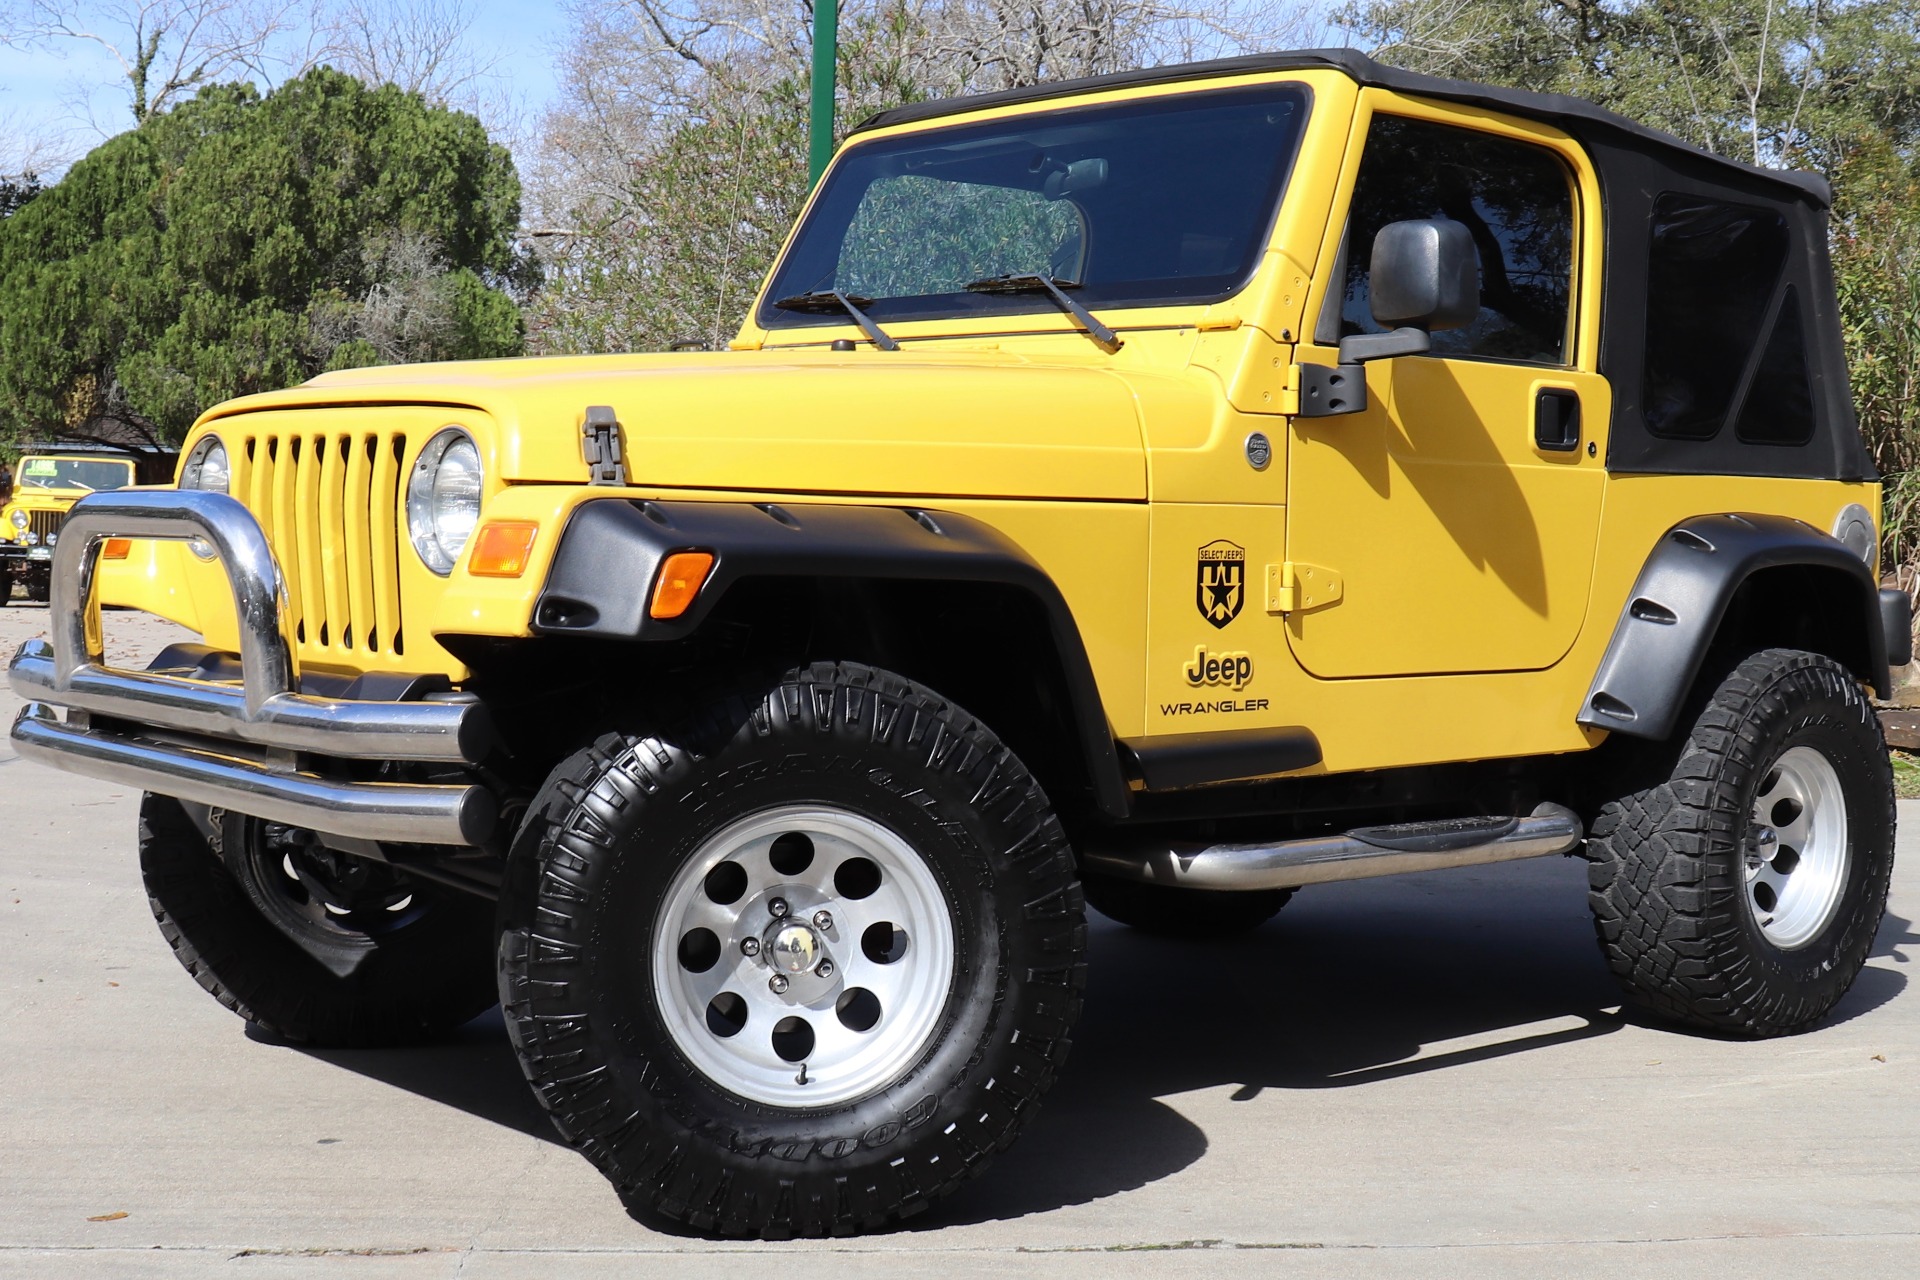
864, 422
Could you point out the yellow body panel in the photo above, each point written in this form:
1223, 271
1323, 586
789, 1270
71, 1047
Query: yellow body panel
1445, 600
1078, 542
1464, 547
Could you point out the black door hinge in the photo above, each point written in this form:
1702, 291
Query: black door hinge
600, 441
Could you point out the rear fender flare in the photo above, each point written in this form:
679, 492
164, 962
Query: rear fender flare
1680, 599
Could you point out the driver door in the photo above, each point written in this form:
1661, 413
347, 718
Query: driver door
1460, 510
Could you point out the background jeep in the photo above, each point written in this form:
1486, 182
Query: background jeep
47, 480
1175, 488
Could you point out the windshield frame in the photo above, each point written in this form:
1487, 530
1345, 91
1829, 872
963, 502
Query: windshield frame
940, 308
23, 482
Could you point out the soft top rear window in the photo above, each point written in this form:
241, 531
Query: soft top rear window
1137, 204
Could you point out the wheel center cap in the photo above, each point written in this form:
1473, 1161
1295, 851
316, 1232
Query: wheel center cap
794, 948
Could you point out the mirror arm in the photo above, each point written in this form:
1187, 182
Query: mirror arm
1331, 392
1409, 340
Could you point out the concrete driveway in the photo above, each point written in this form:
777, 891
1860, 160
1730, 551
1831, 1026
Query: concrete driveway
1422, 1077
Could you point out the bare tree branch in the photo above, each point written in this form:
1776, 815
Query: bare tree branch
423, 46
165, 48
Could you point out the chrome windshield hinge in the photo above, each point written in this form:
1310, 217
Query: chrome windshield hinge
600, 441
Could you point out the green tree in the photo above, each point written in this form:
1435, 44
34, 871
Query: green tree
676, 253
242, 243
16, 190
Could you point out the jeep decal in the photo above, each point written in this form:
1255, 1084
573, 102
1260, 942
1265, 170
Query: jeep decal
1221, 581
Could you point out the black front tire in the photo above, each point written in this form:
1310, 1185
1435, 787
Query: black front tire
593, 875
268, 952
1672, 866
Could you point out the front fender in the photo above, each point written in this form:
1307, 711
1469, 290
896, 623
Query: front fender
1680, 599
610, 552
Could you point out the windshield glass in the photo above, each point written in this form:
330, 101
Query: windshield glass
74, 473
1140, 203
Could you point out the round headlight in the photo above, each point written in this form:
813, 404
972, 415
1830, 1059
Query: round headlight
207, 467
443, 499
19, 518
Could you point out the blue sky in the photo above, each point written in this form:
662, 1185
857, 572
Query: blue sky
69, 98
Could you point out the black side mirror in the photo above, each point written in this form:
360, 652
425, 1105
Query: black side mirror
1425, 276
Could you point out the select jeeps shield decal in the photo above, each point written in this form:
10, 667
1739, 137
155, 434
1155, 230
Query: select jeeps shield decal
1222, 583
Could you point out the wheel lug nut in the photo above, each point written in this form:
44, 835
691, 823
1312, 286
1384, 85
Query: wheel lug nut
750, 946
823, 920
778, 982
778, 907
826, 969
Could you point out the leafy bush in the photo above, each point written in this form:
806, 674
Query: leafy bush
242, 243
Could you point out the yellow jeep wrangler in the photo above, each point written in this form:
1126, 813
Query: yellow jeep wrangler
47, 481
1162, 491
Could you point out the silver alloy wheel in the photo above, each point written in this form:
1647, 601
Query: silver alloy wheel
803, 957
1797, 852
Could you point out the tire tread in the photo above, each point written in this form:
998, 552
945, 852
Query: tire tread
1670, 937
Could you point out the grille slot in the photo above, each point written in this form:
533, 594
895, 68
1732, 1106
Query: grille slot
329, 502
46, 524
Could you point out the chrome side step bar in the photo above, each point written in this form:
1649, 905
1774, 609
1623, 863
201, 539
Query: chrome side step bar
1360, 854
413, 813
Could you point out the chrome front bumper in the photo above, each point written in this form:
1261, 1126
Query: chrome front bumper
265, 717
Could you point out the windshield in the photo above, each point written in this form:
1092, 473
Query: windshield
1138, 203
74, 473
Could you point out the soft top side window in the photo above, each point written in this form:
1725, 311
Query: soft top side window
1515, 198
1714, 270
1778, 408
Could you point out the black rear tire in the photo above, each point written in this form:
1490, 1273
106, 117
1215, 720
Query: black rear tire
1672, 867
411, 976
618, 832
1171, 911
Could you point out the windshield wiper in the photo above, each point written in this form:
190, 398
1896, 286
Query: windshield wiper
832, 300
1109, 340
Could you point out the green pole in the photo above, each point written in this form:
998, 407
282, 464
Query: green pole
826, 59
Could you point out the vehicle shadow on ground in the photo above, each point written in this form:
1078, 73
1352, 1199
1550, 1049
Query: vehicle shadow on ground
472, 1070
1350, 985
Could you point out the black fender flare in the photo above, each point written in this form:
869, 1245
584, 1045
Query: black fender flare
610, 552
1680, 598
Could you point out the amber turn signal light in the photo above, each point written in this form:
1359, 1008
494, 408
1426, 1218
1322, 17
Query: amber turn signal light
502, 548
680, 580
117, 549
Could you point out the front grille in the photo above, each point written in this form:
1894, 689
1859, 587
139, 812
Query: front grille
329, 502
46, 524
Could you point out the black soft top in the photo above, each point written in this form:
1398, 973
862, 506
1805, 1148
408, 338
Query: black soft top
1577, 116
1639, 168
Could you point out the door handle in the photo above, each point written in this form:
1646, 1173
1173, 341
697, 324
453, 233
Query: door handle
1556, 419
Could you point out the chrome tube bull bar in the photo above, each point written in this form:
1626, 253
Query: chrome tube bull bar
266, 711
400, 812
